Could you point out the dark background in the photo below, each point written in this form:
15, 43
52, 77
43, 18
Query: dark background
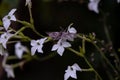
50, 16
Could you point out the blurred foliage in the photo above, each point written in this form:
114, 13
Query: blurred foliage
47, 0
0, 22
119, 50
7, 5
48, 16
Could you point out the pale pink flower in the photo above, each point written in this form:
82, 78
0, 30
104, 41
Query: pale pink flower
19, 50
61, 44
93, 5
4, 38
37, 45
7, 19
71, 71
8, 68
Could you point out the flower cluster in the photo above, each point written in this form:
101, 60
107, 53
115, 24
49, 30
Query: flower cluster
6, 23
8, 33
61, 40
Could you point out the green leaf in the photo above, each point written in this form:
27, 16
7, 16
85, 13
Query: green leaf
6, 6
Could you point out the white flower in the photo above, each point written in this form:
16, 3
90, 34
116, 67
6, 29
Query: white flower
29, 3
19, 49
9, 71
7, 19
118, 1
72, 30
70, 34
4, 38
37, 45
93, 5
61, 44
71, 71
7, 68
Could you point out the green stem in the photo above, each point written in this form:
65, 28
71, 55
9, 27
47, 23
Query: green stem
110, 42
15, 57
76, 52
81, 55
20, 30
32, 22
25, 23
106, 27
83, 45
30, 26
92, 67
104, 57
102, 54
83, 38
37, 32
20, 63
28, 58
107, 33
10, 42
23, 37
45, 58
31, 18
